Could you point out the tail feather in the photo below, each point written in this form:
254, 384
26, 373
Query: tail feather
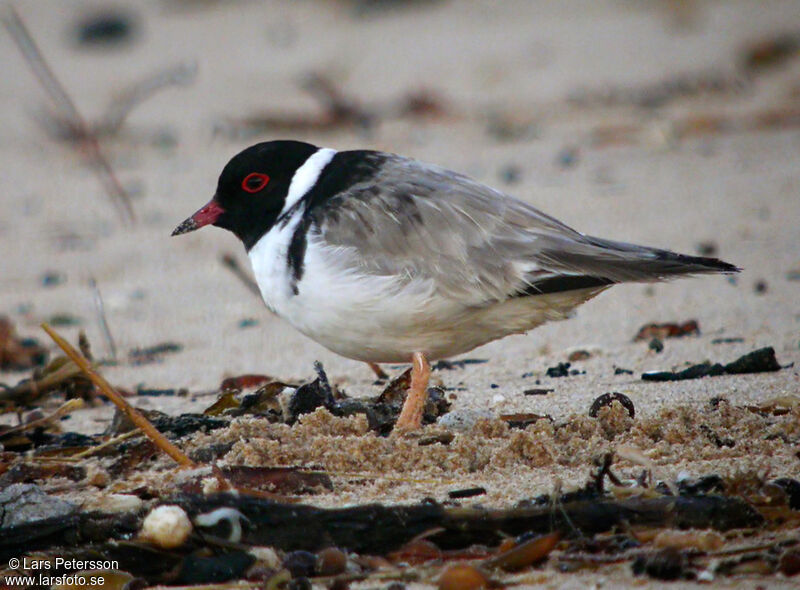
653, 263
598, 263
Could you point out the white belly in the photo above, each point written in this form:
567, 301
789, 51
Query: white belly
383, 319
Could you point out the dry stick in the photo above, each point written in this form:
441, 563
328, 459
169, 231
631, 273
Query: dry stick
229, 261
109, 443
55, 90
101, 312
63, 410
132, 413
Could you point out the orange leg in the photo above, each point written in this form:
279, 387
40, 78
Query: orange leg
379, 373
414, 406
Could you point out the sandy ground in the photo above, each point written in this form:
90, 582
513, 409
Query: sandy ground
518, 62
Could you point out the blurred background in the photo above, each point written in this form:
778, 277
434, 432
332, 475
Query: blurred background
671, 123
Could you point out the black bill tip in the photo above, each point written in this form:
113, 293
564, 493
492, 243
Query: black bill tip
188, 225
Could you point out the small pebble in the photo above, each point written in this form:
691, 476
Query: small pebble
167, 527
300, 563
707, 249
579, 355
656, 345
511, 174
567, 157
462, 576
52, 278
61, 320
789, 564
331, 561
463, 420
760, 287
105, 29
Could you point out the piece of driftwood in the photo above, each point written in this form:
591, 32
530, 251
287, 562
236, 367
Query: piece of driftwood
379, 529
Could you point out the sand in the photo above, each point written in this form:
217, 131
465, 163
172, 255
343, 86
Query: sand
555, 76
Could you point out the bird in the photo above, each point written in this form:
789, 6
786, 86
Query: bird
386, 259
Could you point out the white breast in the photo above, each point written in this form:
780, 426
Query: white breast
269, 256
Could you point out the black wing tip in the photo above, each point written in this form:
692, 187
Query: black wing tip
561, 284
700, 263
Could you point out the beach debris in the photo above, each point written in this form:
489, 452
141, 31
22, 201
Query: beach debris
563, 370
665, 564
789, 563
463, 576
445, 365
579, 355
18, 354
508, 126
729, 340
64, 319
607, 399
463, 420
523, 419
26, 505
770, 52
337, 110
524, 554
758, 361
667, 330
281, 481
166, 526
568, 157
656, 345
10, 436
661, 92
760, 287
174, 427
84, 136
707, 248
106, 28
538, 391
134, 415
153, 354
284, 402
204, 538
622, 371
466, 493
53, 278
59, 375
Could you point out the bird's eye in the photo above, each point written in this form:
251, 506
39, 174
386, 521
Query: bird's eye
254, 182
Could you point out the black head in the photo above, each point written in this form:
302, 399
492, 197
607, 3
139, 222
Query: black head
252, 190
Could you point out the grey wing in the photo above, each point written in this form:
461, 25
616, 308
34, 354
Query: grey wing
478, 245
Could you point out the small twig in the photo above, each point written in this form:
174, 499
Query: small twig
132, 413
101, 313
109, 443
179, 75
58, 95
63, 410
32, 389
229, 261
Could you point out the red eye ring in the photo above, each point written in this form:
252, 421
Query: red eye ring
254, 182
